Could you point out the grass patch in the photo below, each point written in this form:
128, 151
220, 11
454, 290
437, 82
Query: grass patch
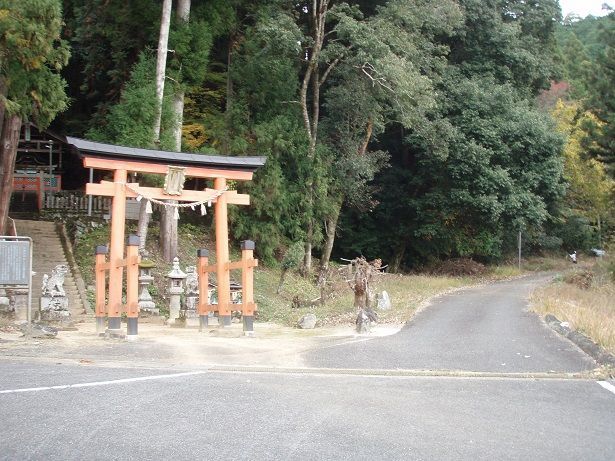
407, 292
503, 272
589, 308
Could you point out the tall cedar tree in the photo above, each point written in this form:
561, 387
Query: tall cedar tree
31, 56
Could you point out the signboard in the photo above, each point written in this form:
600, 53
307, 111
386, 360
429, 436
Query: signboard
14, 262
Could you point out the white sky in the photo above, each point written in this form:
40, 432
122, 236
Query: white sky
584, 7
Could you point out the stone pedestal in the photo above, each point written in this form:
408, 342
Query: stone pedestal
54, 309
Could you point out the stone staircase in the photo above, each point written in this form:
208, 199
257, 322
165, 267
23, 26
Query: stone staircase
47, 253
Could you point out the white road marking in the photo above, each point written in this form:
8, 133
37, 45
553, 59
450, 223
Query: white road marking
102, 383
608, 386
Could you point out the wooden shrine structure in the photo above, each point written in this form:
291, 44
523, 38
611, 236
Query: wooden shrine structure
176, 167
38, 166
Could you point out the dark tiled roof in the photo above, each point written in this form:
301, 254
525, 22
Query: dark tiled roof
97, 149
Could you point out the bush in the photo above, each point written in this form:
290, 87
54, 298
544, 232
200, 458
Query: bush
576, 233
459, 267
582, 279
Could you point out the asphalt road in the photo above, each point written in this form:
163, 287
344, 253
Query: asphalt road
60, 410
486, 329
223, 415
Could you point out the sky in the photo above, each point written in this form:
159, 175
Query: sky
584, 7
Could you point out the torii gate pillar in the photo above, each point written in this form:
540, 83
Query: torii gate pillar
222, 254
116, 250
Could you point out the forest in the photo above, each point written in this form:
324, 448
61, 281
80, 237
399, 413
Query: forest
407, 130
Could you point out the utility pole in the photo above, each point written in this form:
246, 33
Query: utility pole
519, 246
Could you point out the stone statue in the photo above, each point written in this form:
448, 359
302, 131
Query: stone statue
54, 302
54, 286
192, 281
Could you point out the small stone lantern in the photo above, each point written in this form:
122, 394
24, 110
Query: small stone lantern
146, 304
176, 289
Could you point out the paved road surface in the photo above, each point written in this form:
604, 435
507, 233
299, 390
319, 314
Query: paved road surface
60, 410
270, 416
479, 329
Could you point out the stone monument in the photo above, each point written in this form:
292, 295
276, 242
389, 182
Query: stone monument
54, 303
192, 297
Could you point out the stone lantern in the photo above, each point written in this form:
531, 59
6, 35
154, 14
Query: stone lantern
176, 289
146, 304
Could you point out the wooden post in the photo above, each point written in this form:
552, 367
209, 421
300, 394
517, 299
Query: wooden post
116, 271
101, 287
41, 189
222, 255
132, 286
248, 307
203, 273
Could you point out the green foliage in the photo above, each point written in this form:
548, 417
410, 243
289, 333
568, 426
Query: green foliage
587, 53
602, 100
130, 122
191, 43
502, 170
427, 134
107, 37
293, 256
576, 232
31, 56
278, 190
509, 39
473, 173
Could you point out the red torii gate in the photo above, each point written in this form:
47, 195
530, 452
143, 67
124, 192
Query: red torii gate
175, 165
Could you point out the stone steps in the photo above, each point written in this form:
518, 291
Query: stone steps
47, 253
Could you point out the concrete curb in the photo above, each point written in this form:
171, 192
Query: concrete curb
584, 343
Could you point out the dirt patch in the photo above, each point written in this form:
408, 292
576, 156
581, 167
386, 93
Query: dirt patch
163, 346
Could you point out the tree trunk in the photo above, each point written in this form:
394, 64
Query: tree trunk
398, 256
168, 223
144, 219
9, 138
168, 233
161, 64
233, 38
178, 111
307, 257
281, 282
330, 232
311, 115
183, 15
229, 81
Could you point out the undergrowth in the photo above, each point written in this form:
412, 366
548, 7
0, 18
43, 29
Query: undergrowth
407, 292
585, 298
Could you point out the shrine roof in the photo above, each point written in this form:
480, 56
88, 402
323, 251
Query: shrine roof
110, 151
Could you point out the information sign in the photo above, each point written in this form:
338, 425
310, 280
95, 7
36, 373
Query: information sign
14, 262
